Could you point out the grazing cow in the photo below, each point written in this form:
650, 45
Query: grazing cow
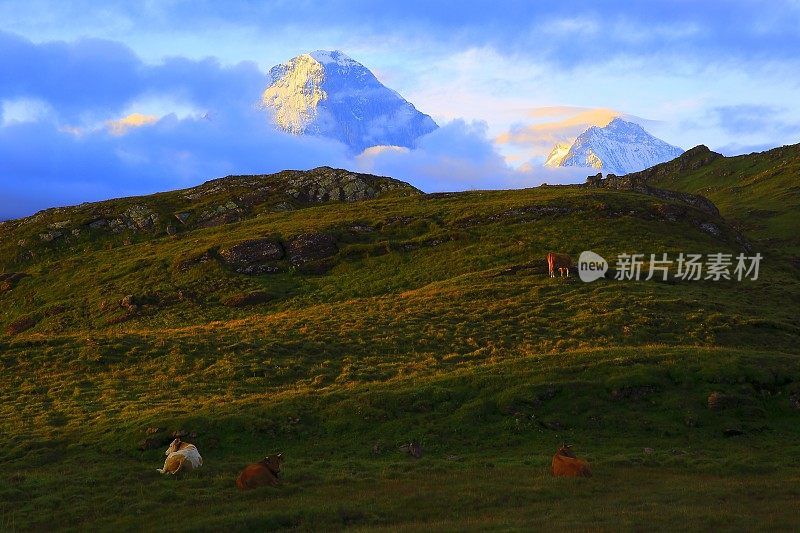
264, 472
181, 457
567, 465
562, 262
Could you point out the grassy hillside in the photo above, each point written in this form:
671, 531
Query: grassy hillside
123, 221
759, 192
350, 329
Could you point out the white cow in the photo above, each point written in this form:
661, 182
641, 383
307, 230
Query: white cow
181, 456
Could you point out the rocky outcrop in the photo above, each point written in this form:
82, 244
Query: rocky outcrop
327, 184
706, 218
310, 252
222, 214
638, 183
137, 217
216, 202
286, 188
253, 256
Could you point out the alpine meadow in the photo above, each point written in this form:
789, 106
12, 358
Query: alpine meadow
407, 317
246, 287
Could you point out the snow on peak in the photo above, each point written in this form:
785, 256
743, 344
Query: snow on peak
295, 93
333, 56
620, 147
557, 154
329, 94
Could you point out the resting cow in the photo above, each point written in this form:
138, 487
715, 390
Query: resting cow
567, 465
560, 262
264, 472
181, 457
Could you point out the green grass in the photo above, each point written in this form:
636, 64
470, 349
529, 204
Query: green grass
758, 192
488, 431
419, 331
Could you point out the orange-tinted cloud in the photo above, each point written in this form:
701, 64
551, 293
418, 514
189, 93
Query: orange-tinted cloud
134, 120
367, 159
542, 136
557, 111
375, 150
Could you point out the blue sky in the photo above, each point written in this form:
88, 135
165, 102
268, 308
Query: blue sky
502, 78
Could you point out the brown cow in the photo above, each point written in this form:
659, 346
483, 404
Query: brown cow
264, 472
565, 464
562, 262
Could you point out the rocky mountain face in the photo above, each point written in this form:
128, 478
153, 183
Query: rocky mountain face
331, 95
620, 147
558, 154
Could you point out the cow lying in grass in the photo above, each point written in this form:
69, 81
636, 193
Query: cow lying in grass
560, 262
181, 457
264, 472
565, 464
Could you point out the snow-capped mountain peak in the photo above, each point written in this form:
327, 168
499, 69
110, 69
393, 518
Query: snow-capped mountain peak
336, 56
329, 94
557, 154
620, 147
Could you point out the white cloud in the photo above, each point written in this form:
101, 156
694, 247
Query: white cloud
459, 156
577, 26
479, 84
25, 110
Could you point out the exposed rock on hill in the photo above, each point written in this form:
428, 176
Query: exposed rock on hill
635, 182
216, 202
249, 257
326, 184
758, 193
309, 250
708, 222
